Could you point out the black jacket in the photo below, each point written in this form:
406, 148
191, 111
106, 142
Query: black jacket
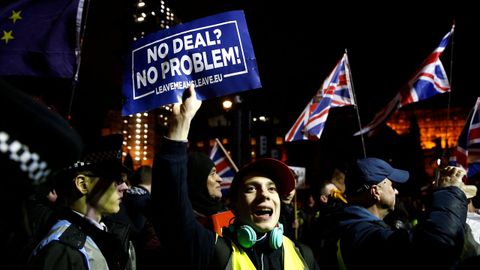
65, 253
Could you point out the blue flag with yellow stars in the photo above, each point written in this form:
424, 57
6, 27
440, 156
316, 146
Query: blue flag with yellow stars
40, 38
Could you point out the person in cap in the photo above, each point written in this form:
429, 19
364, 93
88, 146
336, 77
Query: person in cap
34, 142
255, 238
89, 190
367, 242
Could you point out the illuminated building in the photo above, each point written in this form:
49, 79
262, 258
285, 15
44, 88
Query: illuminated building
433, 125
142, 131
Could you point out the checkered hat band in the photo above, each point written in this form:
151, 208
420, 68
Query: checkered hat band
97, 157
28, 161
102, 156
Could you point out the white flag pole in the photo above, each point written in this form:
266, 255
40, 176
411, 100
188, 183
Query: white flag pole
227, 155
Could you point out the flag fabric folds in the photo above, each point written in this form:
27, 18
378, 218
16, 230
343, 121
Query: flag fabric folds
336, 91
467, 152
223, 166
40, 38
429, 81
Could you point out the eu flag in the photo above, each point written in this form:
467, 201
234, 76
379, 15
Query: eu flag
40, 38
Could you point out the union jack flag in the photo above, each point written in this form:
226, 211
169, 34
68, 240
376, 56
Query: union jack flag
429, 81
336, 91
467, 153
224, 167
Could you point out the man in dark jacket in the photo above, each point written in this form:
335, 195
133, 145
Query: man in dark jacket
367, 242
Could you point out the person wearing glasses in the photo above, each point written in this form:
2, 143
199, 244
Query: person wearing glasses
88, 190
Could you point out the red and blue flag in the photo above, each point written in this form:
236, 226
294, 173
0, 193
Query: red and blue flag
467, 153
336, 91
223, 166
429, 81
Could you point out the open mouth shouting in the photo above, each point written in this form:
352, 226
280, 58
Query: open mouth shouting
262, 214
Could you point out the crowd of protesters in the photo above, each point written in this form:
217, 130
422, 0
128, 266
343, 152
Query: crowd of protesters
108, 216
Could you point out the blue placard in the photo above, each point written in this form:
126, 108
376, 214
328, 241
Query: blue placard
214, 53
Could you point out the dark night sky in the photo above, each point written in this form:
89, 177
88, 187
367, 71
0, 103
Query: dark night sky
297, 45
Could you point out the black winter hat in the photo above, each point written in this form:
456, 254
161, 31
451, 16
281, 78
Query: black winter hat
198, 169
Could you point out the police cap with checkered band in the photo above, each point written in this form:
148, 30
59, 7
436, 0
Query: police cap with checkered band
103, 157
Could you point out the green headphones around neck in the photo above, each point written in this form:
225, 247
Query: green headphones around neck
247, 237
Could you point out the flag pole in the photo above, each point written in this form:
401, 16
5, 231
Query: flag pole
295, 215
81, 27
450, 92
356, 105
227, 155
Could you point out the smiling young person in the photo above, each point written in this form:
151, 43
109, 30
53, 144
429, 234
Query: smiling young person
254, 240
